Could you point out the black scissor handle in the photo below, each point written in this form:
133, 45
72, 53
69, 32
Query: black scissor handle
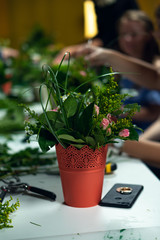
41, 191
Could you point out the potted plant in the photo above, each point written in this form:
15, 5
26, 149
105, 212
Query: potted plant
81, 126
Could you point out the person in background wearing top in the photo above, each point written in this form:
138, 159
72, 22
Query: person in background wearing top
135, 31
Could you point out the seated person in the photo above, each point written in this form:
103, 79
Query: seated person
136, 39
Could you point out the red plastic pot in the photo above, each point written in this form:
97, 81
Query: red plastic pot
82, 174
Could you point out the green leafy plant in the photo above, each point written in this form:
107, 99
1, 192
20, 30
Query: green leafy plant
38, 39
94, 118
5, 210
13, 120
23, 162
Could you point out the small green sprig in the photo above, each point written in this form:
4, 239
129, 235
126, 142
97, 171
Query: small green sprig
5, 210
22, 162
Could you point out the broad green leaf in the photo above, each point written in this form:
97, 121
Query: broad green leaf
133, 134
79, 146
64, 131
54, 118
71, 132
70, 106
74, 121
99, 138
85, 120
90, 141
51, 116
46, 140
70, 138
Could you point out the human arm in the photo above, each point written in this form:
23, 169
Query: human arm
9, 52
70, 49
140, 72
146, 150
75, 48
152, 132
147, 113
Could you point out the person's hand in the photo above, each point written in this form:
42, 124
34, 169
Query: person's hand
69, 49
9, 52
95, 55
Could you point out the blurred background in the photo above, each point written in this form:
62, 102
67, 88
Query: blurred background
63, 20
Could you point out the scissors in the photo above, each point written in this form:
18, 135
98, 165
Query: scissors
13, 185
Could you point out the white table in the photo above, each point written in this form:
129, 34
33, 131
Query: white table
60, 222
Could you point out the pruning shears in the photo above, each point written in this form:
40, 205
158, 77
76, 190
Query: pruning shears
14, 185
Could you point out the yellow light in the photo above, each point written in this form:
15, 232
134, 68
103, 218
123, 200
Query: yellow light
90, 20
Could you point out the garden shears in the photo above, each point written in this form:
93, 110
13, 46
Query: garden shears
15, 185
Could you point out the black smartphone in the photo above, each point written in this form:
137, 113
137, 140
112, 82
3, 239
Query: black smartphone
121, 195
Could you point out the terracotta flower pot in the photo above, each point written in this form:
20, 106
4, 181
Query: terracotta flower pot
82, 173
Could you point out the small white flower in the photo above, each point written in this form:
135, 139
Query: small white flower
27, 128
25, 121
64, 97
30, 132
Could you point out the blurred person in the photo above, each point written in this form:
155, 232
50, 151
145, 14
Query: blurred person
136, 39
152, 132
139, 71
107, 12
135, 31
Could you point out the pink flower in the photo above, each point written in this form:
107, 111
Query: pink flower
83, 73
124, 133
104, 124
111, 118
55, 109
96, 109
109, 131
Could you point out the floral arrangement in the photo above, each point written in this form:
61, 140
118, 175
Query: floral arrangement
94, 118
